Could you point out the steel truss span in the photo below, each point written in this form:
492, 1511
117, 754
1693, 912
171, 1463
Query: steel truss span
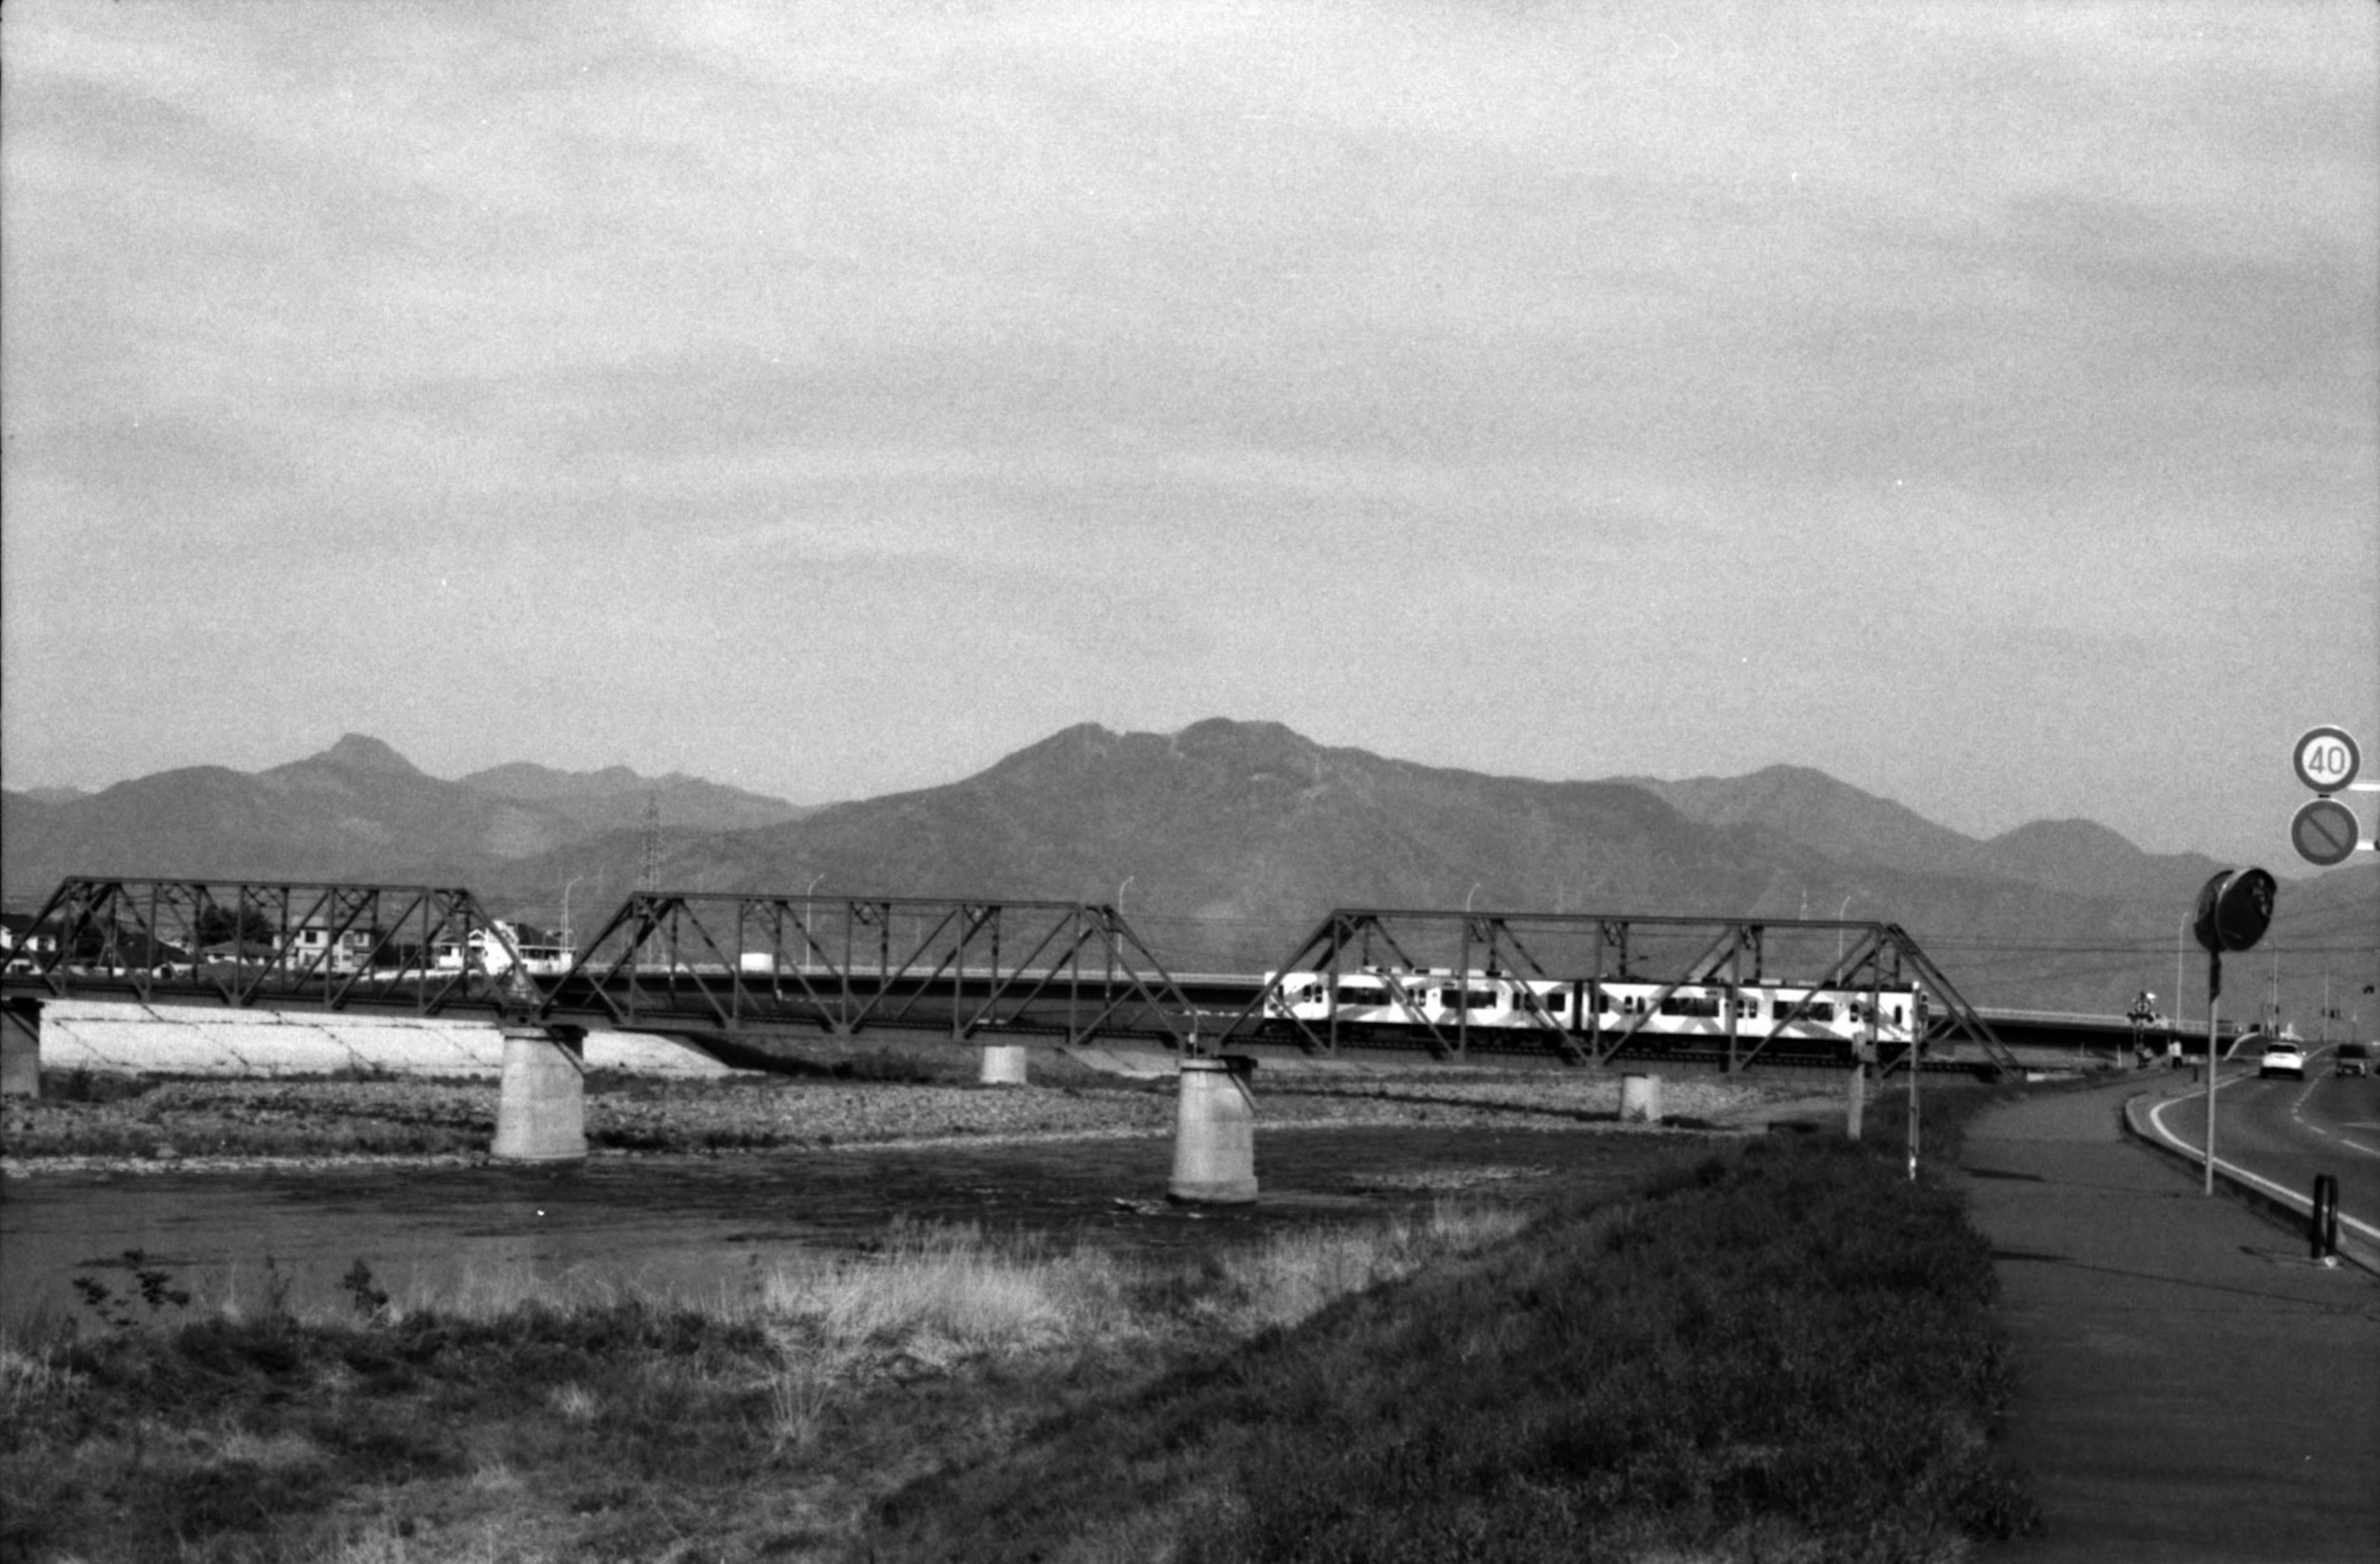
1594, 988
966, 968
972, 969
257, 944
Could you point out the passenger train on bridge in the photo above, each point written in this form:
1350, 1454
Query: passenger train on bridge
1390, 1004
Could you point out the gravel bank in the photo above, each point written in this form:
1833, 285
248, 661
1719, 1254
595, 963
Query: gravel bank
133, 1123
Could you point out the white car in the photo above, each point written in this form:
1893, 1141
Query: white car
2283, 1059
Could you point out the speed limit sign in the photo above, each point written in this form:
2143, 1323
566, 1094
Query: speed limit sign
2327, 759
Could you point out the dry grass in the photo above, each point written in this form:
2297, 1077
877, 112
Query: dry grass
943, 1292
1298, 1274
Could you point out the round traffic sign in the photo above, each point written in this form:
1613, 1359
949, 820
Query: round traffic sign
2327, 758
2324, 831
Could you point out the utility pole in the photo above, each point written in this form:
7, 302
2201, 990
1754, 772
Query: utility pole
651, 880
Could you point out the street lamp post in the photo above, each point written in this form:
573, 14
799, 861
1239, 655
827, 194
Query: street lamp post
568, 943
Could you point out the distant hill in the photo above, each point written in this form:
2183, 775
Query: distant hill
357, 810
1812, 808
2080, 858
614, 798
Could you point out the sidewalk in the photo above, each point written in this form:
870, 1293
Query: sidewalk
2192, 1386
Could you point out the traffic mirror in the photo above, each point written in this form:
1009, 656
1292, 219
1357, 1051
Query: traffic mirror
2235, 907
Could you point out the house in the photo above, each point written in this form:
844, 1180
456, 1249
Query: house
25, 944
30, 948
315, 946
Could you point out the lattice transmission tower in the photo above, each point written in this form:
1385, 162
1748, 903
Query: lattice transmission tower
651, 877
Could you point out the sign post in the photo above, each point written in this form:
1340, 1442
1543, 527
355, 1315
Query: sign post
2234, 910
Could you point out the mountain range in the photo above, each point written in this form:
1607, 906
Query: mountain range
359, 810
1224, 843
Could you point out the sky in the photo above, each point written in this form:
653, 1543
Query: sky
1976, 402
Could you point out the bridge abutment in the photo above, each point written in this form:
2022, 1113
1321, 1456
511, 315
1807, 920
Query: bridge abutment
20, 1048
1214, 1135
1003, 1064
541, 1111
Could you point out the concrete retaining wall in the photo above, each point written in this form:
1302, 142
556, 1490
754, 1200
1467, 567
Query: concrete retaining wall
186, 1041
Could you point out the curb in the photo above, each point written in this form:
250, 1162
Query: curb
2290, 1210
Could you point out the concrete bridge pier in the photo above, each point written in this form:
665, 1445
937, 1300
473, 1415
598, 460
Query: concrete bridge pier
20, 1048
1214, 1135
541, 1113
1003, 1064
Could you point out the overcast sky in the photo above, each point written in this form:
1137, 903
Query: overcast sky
1975, 401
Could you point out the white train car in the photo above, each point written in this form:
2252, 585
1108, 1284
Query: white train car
1388, 1003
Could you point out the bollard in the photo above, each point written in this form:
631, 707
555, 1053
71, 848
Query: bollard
1640, 1099
20, 1048
1856, 1109
1004, 1065
541, 1108
2324, 1228
1214, 1135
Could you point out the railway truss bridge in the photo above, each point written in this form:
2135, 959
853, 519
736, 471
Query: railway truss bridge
746, 977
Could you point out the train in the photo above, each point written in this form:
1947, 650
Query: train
1392, 1005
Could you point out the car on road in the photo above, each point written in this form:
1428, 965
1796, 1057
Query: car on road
2353, 1059
2282, 1059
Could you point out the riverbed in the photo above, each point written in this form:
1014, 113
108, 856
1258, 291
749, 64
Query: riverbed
239, 1190
704, 1227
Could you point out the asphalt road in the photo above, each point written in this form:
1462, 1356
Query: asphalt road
2287, 1132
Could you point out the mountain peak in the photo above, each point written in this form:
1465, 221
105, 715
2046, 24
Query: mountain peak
355, 752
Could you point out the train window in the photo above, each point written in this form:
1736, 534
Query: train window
1477, 999
1351, 994
1557, 1001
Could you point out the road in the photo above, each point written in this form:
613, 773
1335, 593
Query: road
2283, 1133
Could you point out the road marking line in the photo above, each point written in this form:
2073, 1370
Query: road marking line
2156, 1117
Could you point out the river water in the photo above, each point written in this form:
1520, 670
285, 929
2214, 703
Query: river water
696, 1227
